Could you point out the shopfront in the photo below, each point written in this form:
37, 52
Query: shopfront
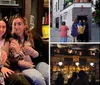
77, 11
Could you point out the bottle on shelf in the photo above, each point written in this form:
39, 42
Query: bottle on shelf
45, 19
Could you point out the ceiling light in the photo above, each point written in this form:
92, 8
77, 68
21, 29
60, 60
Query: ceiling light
60, 63
91, 64
77, 63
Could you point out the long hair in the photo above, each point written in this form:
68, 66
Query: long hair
27, 32
7, 34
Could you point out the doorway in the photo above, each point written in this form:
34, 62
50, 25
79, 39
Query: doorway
82, 17
84, 37
57, 22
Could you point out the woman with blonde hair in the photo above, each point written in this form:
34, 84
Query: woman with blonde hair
23, 45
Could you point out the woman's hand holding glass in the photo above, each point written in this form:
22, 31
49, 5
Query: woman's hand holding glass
15, 46
30, 51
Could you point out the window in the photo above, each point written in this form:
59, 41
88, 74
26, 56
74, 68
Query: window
58, 4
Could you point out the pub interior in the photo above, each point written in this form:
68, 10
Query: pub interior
69, 58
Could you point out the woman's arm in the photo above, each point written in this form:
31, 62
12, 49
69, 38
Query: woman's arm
4, 52
4, 57
30, 51
25, 64
6, 47
67, 28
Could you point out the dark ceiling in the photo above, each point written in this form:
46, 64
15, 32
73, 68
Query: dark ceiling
86, 49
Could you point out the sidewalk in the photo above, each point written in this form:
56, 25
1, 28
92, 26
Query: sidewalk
95, 34
54, 35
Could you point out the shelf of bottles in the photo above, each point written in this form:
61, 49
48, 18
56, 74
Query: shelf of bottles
45, 20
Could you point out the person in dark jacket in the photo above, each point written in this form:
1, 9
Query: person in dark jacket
86, 31
60, 79
82, 80
72, 79
74, 31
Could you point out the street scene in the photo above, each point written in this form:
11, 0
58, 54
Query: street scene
69, 10
95, 34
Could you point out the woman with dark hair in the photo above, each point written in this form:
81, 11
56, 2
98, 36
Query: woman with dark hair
74, 31
11, 78
63, 32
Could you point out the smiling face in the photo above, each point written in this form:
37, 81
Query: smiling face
18, 26
2, 28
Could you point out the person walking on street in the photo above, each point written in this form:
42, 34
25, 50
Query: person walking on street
63, 32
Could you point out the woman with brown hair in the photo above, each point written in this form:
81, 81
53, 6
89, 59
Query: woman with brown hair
10, 77
63, 32
74, 31
23, 45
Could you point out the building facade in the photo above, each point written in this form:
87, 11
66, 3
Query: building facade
70, 10
56, 8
